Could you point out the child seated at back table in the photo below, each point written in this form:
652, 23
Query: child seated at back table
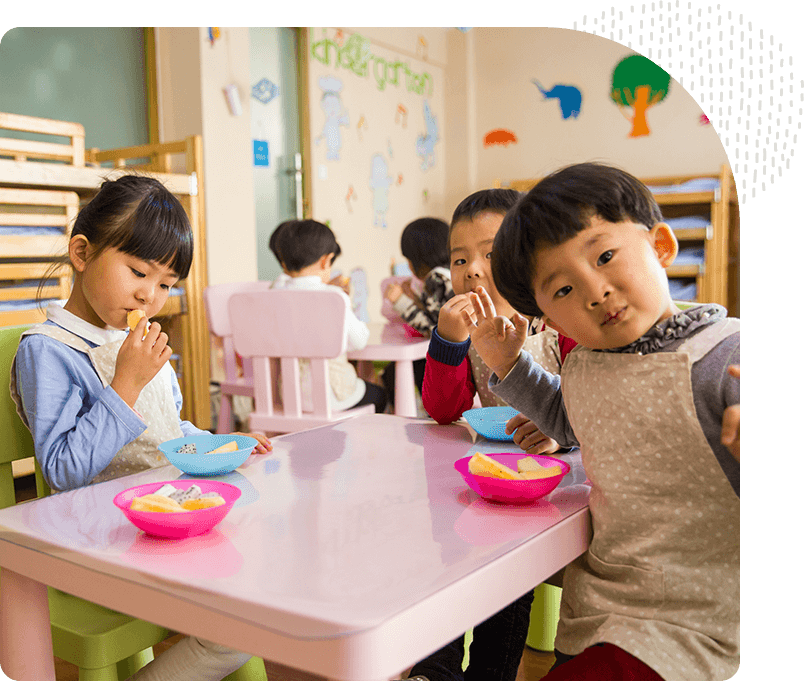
98, 400
424, 244
454, 372
308, 249
647, 396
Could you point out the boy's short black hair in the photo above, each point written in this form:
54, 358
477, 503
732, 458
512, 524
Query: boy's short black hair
274, 239
495, 200
425, 242
302, 242
555, 210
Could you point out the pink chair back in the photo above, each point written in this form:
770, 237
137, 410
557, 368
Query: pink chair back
216, 301
291, 325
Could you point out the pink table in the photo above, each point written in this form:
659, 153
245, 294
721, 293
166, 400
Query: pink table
345, 540
390, 343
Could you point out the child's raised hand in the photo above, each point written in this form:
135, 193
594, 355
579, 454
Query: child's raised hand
141, 357
528, 436
497, 340
730, 432
452, 325
263, 443
393, 292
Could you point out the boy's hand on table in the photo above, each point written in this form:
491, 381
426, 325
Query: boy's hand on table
263, 443
452, 325
730, 432
528, 436
497, 340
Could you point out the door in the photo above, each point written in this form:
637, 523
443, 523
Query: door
276, 136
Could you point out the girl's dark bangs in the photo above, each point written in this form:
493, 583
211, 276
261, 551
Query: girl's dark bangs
159, 231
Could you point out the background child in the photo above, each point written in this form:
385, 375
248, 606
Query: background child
656, 596
308, 250
97, 400
424, 244
454, 372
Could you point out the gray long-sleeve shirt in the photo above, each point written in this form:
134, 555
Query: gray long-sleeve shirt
537, 393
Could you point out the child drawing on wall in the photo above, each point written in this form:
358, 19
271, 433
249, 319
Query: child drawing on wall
336, 116
379, 181
425, 143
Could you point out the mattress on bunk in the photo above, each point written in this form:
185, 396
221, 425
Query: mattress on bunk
681, 289
688, 222
698, 184
690, 256
27, 230
30, 304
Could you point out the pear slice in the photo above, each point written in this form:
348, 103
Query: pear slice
228, 447
530, 469
480, 464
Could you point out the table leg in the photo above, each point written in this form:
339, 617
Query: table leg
405, 390
26, 647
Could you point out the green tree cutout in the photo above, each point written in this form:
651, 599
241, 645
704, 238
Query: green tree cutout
640, 84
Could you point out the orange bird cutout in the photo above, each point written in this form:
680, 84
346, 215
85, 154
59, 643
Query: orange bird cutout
501, 137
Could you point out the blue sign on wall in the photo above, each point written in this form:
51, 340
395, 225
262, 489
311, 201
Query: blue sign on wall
261, 157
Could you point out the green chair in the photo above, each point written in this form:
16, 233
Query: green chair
105, 645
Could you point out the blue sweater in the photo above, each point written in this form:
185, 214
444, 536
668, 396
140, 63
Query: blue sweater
78, 426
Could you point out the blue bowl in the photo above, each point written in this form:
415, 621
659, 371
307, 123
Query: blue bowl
200, 463
490, 421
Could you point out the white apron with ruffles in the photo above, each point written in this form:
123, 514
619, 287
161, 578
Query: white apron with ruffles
155, 405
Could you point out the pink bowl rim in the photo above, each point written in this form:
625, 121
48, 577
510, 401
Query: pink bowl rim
565, 467
232, 491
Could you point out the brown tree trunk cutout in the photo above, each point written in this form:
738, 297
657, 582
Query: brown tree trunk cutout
640, 107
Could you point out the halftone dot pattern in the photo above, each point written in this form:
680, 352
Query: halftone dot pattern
738, 73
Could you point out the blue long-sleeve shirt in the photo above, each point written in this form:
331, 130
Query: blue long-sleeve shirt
78, 426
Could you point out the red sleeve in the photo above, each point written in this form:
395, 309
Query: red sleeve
447, 391
565, 345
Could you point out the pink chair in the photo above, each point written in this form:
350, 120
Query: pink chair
216, 300
291, 325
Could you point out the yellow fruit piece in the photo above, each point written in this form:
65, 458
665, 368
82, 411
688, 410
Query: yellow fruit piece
480, 464
531, 469
228, 447
157, 503
133, 318
206, 502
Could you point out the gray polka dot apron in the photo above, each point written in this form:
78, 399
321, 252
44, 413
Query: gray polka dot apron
661, 576
155, 404
543, 346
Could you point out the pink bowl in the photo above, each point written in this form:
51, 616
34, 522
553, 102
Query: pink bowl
512, 491
178, 525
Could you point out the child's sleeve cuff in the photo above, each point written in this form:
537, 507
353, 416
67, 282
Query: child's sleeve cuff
446, 351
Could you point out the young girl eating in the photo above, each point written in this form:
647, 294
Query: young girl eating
656, 595
98, 400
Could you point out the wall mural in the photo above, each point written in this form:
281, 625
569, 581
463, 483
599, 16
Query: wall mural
568, 96
499, 137
425, 143
379, 181
336, 116
637, 83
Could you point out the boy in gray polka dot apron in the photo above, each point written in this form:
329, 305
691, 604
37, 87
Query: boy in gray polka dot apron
647, 395
98, 400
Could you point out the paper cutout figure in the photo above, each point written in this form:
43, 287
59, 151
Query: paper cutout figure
336, 116
339, 37
401, 112
568, 96
638, 83
350, 196
421, 47
399, 178
464, 29
264, 90
425, 195
360, 125
359, 287
379, 181
425, 144
704, 119
390, 150
213, 32
499, 137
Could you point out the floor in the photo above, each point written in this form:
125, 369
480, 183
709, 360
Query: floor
535, 664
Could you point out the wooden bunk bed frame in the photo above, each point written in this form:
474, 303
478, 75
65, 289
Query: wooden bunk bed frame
717, 280
42, 184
